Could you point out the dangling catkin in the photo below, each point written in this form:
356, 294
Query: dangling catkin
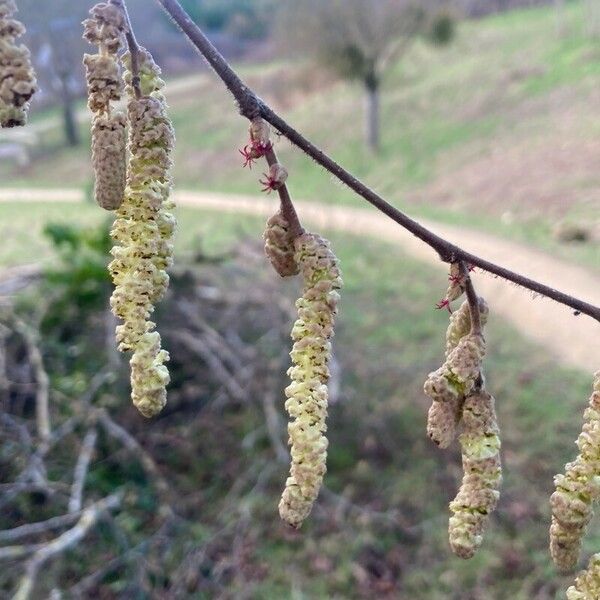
445, 411
479, 491
587, 583
17, 77
307, 394
445, 387
105, 29
577, 489
142, 231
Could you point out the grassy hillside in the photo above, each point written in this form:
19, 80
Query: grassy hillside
498, 131
380, 529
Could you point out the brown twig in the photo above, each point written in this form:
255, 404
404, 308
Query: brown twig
81, 470
251, 106
287, 206
473, 300
89, 517
43, 382
16, 533
132, 445
134, 49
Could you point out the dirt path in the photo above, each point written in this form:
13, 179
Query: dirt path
574, 341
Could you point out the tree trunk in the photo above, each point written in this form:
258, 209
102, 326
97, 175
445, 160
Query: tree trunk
593, 18
559, 6
372, 112
69, 118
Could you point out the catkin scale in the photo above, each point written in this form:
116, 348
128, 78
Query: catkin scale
577, 489
479, 492
587, 583
307, 394
17, 77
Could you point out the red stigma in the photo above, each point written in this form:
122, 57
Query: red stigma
444, 303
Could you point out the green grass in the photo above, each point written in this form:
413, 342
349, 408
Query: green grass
388, 338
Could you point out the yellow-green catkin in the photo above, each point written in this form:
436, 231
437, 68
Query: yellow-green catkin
307, 395
142, 232
577, 489
279, 245
479, 492
587, 583
17, 77
448, 386
106, 28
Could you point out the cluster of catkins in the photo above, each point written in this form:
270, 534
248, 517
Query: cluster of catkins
17, 77
138, 189
459, 398
292, 252
576, 490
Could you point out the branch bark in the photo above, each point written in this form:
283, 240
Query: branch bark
251, 106
69, 538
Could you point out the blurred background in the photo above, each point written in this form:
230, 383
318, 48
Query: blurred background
480, 118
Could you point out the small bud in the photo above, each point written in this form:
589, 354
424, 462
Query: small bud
276, 177
260, 132
279, 246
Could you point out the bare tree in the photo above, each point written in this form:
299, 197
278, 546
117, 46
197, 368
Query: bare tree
358, 39
56, 27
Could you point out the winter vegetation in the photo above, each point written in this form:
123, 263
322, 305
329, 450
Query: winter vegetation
157, 474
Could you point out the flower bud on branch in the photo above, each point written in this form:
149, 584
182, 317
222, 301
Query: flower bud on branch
279, 246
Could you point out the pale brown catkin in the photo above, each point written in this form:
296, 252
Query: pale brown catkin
446, 407
17, 77
106, 28
279, 246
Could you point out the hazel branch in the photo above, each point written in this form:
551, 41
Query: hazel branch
473, 300
251, 106
287, 206
134, 49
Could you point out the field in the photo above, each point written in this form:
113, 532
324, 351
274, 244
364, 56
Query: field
496, 132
